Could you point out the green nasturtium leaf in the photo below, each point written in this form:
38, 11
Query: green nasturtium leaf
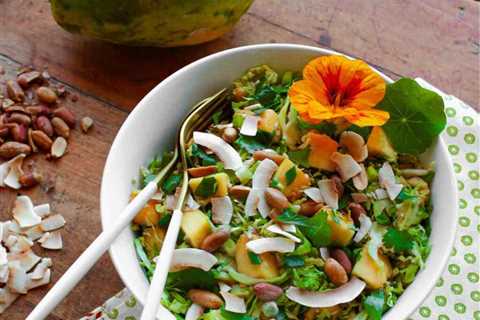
254, 258
290, 175
417, 116
207, 187
398, 240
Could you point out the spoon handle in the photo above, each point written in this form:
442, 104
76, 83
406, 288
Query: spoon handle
163, 262
91, 255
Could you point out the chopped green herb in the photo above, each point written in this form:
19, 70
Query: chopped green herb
293, 261
374, 304
398, 240
318, 230
191, 278
290, 175
207, 187
171, 183
165, 220
254, 258
290, 217
143, 257
417, 116
217, 116
249, 144
206, 159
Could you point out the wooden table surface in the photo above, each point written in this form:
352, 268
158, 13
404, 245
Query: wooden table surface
434, 39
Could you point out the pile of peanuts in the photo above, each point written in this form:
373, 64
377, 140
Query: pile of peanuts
32, 118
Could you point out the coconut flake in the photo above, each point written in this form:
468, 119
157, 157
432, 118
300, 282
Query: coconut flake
233, 303
408, 173
289, 228
355, 145
260, 181
386, 178
225, 152
59, 147
365, 225
314, 193
243, 173
40, 269
17, 280
324, 253
4, 273
347, 167
330, 298
222, 210
224, 287
53, 222
250, 126
194, 312
34, 233
11, 171
278, 230
7, 297
42, 210
35, 283
51, 240
360, 181
277, 244
329, 192
22, 244
380, 194
191, 257
23, 212
27, 260
191, 203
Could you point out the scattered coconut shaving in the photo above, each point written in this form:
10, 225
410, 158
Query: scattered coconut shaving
250, 126
233, 303
386, 177
10, 172
194, 312
278, 230
21, 269
222, 210
277, 244
191, 257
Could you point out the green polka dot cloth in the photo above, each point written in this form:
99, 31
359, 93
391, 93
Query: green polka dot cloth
457, 293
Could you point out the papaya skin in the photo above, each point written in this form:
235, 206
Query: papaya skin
162, 23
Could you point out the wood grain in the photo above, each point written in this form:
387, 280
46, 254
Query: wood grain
76, 181
437, 40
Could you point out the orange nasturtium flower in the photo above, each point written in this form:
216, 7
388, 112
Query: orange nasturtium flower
335, 87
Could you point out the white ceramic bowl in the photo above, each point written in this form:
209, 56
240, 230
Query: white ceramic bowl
151, 127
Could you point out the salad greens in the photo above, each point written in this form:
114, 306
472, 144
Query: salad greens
290, 216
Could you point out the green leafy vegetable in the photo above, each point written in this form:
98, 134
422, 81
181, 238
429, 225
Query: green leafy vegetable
206, 159
318, 231
171, 183
217, 116
290, 175
398, 240
175, 302
417, 116
290, 217
145, 262
300, 157
373, 304
207, 187
309, 278
254, 258
293, 261
250, 144
227, 315
191, 278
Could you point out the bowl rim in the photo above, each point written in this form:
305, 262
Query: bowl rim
146, 100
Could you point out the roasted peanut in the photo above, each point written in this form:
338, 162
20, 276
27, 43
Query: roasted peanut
230, 134
60, 127
18, 132
338, 185
214, 240
239, 192
38, 110
47, 95
342, 258
66, 115
11, 149
272, 155
276, 199
356, 210
202, 171
26, 78
19, 118
267, 291
14, 91
30, 179
309, 208
86, 123
42, 140
335, 272
44, 124
205, 298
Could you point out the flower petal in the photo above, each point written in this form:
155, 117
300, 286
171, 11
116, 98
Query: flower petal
368, 117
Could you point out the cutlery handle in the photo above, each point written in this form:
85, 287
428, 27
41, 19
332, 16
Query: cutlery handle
88, 258
163, 262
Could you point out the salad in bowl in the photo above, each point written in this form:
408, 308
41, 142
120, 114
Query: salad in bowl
307, 198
